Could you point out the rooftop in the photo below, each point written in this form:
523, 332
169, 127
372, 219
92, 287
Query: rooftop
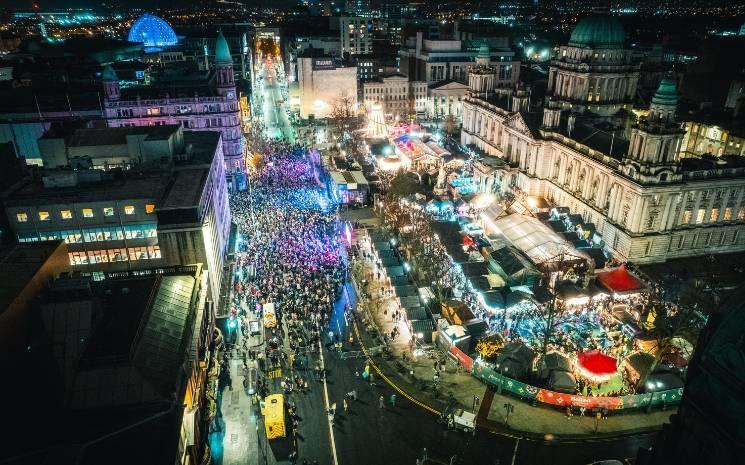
118, 136
147, 182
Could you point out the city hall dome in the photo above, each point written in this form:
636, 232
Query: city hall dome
152, 31
598, 32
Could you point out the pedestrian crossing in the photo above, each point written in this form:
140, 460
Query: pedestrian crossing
274, 374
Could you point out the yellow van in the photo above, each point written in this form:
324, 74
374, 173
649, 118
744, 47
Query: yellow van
274, 416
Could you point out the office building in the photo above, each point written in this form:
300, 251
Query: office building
169, 208
355, 35
323, 82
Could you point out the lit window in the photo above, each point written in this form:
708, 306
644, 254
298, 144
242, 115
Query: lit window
129, 210
43, 216
149, 208
727, 214
741, 214
21, 217
108, 211
700, 215
714, 216
66, 214
686, 217
88, 213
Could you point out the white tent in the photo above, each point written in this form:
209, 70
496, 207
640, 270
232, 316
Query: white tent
539, 242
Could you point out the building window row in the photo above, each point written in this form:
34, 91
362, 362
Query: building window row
77, 236
92, 257
44, 215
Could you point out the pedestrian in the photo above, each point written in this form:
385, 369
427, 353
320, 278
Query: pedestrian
346, 406
393, 400
381, 404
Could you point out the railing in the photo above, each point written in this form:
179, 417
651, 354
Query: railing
488, 375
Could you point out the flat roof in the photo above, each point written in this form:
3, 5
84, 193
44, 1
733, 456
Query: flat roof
165, 186
118, 136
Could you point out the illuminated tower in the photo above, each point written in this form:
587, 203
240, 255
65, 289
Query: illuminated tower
224, 76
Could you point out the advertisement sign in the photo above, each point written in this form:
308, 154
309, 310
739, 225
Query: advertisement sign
270, 319
323, 63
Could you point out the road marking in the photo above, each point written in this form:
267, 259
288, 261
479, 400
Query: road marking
326, 401
514, 452
273, 374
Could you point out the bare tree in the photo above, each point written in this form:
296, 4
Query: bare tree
343, 116
450, 125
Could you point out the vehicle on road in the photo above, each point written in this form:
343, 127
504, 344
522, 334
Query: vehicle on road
459, 419
270, 319
273, 410
254, 328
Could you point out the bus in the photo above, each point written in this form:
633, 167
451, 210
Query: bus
270, 319
274, 416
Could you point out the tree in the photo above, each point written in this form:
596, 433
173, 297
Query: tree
343, 116
673, 322
402, 185
450, 124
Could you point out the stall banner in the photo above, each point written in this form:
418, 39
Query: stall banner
564, 400
487, 374
462, 357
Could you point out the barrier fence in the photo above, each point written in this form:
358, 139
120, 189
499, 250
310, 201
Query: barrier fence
488, 375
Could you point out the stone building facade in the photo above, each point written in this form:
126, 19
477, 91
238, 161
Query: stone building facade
647, 203
211, 107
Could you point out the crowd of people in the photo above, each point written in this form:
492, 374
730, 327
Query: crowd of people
288, 252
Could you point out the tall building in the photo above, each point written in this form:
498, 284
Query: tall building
594, 71
356, 38
169, 207
646, 203
359, 8
440, 60
202, 106
323, 82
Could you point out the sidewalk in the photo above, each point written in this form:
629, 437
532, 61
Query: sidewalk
462, 387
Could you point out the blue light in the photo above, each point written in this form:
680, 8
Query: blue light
152, 31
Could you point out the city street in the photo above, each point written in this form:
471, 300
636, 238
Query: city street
274, 86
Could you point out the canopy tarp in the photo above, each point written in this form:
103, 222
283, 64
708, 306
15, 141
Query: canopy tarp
410, 301
474, 269
620, 281
382, 245
596, 363
539, 242
493, 299
399, 280
562, 381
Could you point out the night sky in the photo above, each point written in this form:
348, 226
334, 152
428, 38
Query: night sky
150, 4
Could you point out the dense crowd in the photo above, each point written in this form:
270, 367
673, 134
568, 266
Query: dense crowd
288, 254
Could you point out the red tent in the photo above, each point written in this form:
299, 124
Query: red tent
597, 364
468, 241
619, 281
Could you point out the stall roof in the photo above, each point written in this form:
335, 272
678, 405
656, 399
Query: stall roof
422, 326
410, 301
562, 381
480, 283
620, 281
394, 271
474, 269
382, 245
386, 253
399, 280
535, 239
508, 260
456, 253
476, 327
390, 261
597, 255
556, 225
378, 236
406, 291
416, 313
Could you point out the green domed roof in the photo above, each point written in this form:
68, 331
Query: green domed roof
598, 32
222, 51
667, 93
109, 74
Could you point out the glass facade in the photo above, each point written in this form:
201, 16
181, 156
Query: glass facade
99, 234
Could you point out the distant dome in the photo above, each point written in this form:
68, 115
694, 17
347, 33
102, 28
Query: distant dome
598, 32
667, 92
152, 31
